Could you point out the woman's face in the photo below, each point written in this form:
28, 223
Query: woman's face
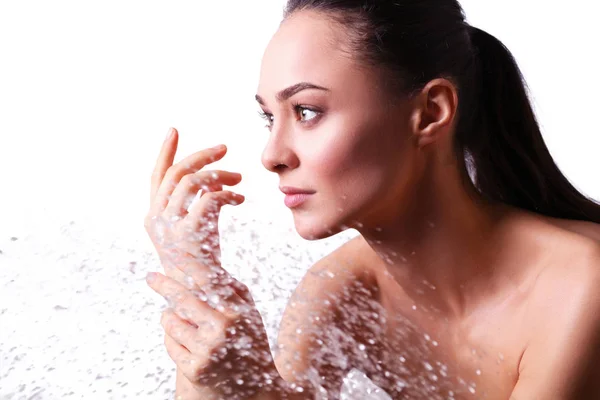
345, 142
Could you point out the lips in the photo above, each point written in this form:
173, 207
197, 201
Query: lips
294, 200
294, 197
293, 190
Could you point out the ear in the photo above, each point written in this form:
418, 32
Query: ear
434, 111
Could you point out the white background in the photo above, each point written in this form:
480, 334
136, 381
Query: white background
87, 93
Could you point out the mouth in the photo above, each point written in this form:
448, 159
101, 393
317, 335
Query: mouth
294, 197
294, 200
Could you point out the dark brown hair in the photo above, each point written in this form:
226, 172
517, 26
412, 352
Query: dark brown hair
497, 134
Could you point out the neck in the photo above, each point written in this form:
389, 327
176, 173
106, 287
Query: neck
440, 244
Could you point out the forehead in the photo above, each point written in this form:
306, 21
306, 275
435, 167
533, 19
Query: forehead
307, 47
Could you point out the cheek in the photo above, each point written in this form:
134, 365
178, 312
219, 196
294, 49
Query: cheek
349, 163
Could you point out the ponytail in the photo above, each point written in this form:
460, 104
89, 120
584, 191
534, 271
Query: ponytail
510, 159
497, 132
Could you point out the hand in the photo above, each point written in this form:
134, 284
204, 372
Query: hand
222, 350
179, 228
213, 333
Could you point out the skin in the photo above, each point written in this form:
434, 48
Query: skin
496, 302
488, 281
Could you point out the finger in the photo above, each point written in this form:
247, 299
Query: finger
178, 353
209, 206
191, 306
164, 161
208, 189
219, 288
198, 340
187, 189
180, 277
180, 330
212, 188
175, 172
187, 363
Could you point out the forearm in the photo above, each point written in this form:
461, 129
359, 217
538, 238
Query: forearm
185, 390
280, 390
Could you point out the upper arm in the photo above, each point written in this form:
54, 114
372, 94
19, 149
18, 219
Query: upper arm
563, 359
317, 339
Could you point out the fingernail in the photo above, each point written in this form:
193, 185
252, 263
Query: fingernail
219, 147
151, 277
169, 134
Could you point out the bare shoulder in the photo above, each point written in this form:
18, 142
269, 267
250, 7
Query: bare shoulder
588, 229
574, 258
562, 358
567, 278
329, 275
311, 321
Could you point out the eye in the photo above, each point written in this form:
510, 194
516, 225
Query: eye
306, 114
267, 117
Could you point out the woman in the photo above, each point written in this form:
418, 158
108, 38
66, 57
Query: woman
475, 274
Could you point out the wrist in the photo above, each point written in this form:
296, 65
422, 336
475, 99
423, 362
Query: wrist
283, 390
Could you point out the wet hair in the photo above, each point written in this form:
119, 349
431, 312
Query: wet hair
497, 136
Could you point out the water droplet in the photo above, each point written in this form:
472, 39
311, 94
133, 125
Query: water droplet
214, 298
478, 372
402, 359
472, 389
239, 381
435, 343
361, 347
427, 337
427, 366
400, 385
206, 247
189, 281
414, 307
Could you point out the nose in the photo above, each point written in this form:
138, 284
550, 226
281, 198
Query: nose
278, 154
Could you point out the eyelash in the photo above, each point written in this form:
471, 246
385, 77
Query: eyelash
297, 107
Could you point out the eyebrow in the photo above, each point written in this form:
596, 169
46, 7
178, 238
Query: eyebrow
292, 90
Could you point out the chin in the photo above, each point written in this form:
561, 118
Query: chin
316, 228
